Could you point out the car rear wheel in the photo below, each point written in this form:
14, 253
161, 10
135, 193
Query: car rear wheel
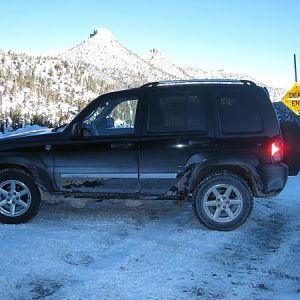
222, 201
19, 197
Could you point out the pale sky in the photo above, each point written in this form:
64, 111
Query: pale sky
257, 38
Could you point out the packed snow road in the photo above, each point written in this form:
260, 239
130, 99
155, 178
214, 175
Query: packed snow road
158, 250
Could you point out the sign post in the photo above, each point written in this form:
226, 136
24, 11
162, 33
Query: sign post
295, 67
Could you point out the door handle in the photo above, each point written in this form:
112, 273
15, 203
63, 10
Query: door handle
203, 142
121, 145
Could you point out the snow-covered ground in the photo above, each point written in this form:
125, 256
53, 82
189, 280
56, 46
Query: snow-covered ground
158, 250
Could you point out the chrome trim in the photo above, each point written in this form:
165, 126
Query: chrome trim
97, 176
158, 175
118, 175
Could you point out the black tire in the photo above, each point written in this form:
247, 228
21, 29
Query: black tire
205, 213
31, 199
291, 136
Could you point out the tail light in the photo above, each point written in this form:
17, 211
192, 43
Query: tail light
277, 149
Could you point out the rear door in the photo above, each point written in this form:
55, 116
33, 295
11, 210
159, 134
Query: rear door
177, 126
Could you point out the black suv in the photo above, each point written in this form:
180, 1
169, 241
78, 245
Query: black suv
214, 142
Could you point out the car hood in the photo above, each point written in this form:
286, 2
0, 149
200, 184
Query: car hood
24, 134
27, 139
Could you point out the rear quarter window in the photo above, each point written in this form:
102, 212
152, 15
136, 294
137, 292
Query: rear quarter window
239, 113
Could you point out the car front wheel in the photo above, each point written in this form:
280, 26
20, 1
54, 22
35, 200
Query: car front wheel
222, 201
19, 197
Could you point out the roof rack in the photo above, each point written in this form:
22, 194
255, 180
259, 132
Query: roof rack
198, 81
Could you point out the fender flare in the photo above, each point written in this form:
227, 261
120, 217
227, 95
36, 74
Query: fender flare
31, 163
244, 165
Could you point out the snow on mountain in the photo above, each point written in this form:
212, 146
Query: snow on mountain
50, 90
275, 93
102, 50
44, 90
157, 60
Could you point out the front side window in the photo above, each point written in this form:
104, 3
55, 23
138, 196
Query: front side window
113, 117
176, 113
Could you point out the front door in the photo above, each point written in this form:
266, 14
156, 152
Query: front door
105, 158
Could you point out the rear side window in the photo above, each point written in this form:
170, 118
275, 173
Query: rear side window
239, 113
176, 113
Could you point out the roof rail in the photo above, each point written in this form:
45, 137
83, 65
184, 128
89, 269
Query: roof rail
198, 81
150, 84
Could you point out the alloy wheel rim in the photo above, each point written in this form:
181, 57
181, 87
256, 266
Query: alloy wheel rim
15, 198
223, 203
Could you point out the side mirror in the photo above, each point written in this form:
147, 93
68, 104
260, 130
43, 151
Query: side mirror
110, 123
76, 130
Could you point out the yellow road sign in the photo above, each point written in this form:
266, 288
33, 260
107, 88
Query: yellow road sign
292, 98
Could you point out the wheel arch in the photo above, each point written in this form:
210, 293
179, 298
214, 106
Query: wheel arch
29, 164
200, 173
16, 166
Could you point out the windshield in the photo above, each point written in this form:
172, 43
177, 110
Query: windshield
95, 113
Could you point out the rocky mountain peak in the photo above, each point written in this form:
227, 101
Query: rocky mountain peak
154, 54
102, 33
154, 51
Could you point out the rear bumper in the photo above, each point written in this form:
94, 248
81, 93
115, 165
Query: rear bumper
273, 178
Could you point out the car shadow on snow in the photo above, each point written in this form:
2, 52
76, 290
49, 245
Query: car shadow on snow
119, 212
